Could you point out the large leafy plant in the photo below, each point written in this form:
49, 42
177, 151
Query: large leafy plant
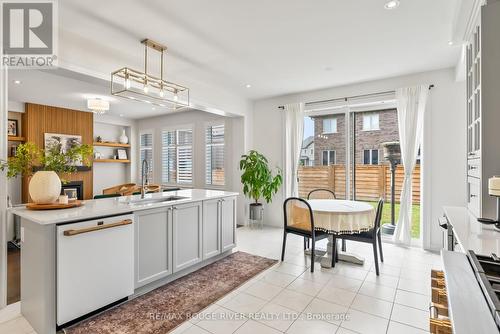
30, 157
257, 178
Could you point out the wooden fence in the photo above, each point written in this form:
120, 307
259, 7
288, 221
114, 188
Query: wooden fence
372, 182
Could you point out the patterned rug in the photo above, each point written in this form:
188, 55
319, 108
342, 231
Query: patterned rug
166, 307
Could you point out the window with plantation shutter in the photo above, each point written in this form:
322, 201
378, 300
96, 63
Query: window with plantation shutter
146, 152
214, 155
177, 156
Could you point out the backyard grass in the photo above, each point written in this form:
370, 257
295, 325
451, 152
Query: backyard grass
415, 218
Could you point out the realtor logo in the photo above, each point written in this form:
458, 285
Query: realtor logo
29, 34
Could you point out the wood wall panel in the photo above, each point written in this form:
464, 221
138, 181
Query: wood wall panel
41, 119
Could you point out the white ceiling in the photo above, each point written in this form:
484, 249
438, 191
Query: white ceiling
278, 46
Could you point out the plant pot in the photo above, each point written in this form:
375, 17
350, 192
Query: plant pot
44, 187
256, 211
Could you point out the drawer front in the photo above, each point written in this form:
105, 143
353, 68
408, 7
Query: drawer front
474, 193
474, 168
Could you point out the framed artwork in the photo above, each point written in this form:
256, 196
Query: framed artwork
62, 143
12, 127
122, 154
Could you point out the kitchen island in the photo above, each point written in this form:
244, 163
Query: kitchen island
78, 261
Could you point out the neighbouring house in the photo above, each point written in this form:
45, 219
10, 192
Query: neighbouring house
372, 129
307, 152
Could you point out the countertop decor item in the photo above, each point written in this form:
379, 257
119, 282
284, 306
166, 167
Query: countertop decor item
123, 138
12, 127
493, 190
258, 181
51, 164
143, 87
54, 206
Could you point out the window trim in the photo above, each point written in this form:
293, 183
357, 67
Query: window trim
335, 157
176, 128
370, 115
205, 126
323, 125
371, 156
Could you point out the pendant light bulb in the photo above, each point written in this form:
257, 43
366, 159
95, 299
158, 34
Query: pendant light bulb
162, 93
127, 82
176, 97
146, 88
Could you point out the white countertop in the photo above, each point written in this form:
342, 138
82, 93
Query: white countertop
116, 205
471, 234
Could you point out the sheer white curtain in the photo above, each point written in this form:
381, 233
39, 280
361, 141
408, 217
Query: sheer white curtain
294, 134
411, 103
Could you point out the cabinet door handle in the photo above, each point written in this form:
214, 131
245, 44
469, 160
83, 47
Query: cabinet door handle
70, 233
472, 195
174, 208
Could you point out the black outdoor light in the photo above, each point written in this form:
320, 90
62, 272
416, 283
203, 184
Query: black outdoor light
392, 153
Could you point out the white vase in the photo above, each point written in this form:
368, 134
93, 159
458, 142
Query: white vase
44, 187
123, 138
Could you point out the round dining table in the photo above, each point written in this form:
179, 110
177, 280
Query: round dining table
336, 217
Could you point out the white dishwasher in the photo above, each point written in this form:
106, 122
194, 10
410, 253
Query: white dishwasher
95, 265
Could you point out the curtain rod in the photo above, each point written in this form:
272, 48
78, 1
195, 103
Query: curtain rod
352, 97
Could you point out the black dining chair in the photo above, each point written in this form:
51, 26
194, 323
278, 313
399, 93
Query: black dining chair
299, 220
372, 236
322, 193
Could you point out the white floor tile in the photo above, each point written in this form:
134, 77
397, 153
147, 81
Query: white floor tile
346, 283
280, 317
365, 323
18, 325
263, 290
303, 325
345, 331
336, 295
350, 271
293, 300
410, 316
383, 279
245, 303
224, 322
277, 278
288, 268
412, 299
193, 330
319, 275
334, 312
378, 291
418, 286
307, 287
254, 327
372, 305
397, 328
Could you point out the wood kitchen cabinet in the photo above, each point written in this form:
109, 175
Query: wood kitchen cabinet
187, 232
153, 245
228, 223
211, 228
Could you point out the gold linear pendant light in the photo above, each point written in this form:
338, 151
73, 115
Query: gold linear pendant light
141, 86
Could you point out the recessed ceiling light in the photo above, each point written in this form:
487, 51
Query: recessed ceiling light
391, 4
328, 68
121, 115
248, 86
450, 43
153, 108
17, 82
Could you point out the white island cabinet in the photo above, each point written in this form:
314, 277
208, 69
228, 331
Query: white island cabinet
72, 260
153, 245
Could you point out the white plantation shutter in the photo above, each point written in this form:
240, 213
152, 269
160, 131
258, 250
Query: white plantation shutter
214, 155
177, 156
146, 151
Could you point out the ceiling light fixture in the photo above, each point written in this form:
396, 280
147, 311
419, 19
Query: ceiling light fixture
141, 86
248, 86
450, 43
391, 4
98, 106
17, 82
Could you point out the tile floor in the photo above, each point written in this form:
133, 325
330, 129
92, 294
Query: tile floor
287, 298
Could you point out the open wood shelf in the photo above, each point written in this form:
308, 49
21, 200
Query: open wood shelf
16, 138
113, 160
111, 144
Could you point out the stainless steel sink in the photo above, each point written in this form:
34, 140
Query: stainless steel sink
155, 200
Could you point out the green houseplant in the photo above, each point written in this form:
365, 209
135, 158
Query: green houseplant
46, 168
258, 181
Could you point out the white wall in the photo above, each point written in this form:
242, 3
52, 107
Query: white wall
235, 140
444, 157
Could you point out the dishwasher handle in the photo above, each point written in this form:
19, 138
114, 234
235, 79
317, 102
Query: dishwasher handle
70, 233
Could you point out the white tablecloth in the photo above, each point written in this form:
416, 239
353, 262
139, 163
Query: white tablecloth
342, 217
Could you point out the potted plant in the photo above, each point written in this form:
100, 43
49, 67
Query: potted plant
258, 181
49, 165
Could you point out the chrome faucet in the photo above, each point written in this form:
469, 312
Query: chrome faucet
145, 169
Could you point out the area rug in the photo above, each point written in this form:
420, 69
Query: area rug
166, 307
